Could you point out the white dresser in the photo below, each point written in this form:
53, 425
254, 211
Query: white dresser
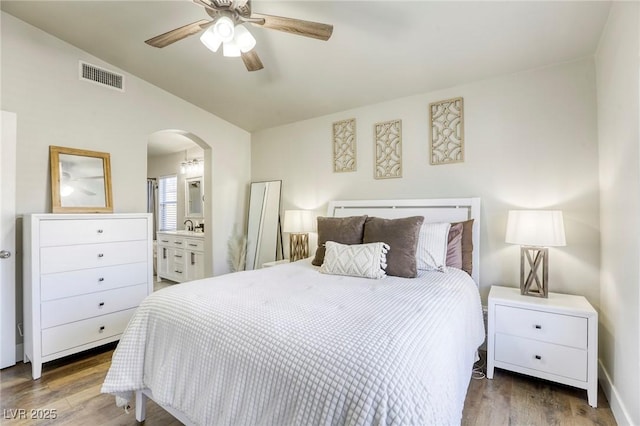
180, 255
84, 276
554, 338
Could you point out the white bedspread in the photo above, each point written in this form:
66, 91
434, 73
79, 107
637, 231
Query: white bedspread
288, 345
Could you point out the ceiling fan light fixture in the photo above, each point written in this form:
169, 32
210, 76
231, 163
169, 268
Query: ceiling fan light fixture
66, 190
243, 39
211, 39
230, 49
224, 28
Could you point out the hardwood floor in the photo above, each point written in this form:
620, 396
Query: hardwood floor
71, 387
515, 399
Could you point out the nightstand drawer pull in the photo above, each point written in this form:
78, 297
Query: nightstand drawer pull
538, 327
101, 329
101, 305
538, 357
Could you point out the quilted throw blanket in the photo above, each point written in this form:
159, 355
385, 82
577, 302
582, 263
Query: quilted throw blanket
288, 345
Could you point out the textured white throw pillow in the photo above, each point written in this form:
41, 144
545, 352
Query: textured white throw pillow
431, 254
356, 260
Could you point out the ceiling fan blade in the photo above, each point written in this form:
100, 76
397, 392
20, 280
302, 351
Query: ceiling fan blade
252, 61
86, 191
178, 34
294, 26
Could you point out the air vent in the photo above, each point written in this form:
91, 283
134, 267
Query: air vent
101, 76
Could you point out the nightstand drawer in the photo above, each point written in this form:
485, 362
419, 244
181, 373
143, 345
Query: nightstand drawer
549, 327
545, 357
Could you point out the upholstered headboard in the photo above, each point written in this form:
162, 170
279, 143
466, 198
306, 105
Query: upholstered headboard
433, 210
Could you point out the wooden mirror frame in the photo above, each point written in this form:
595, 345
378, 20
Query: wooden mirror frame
56, 201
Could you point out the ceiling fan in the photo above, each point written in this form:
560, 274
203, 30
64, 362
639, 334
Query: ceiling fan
226, 28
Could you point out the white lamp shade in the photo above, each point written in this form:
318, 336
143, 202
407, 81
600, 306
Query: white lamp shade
224, 28
230, 49
211, 39
541, 228
243, 39
298, 221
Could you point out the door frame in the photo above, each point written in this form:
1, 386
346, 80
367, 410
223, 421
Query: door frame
8, 348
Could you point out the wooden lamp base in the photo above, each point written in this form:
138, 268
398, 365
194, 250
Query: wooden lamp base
536, 257
298, 246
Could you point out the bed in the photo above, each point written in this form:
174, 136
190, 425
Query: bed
298, 344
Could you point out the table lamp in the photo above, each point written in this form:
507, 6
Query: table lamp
298, 223
535, 231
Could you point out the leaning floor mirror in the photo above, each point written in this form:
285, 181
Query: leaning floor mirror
263, 224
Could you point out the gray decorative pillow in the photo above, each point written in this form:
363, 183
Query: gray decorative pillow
343, 230
454, 246
355, 260
402, 237
467, 245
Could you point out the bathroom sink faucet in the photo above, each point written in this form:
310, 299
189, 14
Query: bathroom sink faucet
189, 227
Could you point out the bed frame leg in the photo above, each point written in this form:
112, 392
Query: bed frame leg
141, 406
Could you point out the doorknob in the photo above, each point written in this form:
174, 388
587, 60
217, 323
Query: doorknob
4, 254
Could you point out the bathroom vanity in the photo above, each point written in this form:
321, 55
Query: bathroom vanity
180, 255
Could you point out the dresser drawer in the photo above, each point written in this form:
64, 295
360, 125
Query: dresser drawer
67, 336
90, 231
549, 327
62, 311
194, 244
71, 258
74, 283
541, 356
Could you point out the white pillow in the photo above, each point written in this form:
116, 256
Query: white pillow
431, 254
356, 260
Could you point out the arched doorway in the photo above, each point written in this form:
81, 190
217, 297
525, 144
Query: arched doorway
167, 150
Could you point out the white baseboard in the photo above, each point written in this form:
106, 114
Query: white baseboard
618, 408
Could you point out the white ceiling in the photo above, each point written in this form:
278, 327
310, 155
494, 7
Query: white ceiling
379, 50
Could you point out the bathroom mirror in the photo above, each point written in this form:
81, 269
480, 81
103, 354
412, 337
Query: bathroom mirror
263, 223
194, 197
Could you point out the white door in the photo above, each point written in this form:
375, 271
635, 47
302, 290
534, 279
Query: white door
8, 122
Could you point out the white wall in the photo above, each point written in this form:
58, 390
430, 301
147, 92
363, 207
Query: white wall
530, 142
618, 73
40, 83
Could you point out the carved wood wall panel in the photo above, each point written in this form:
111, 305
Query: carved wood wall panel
388, 144
344, 146
447, 131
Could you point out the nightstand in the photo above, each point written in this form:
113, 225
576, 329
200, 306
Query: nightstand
274, 263
554, 338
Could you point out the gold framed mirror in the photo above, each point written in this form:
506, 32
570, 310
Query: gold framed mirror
80, 181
